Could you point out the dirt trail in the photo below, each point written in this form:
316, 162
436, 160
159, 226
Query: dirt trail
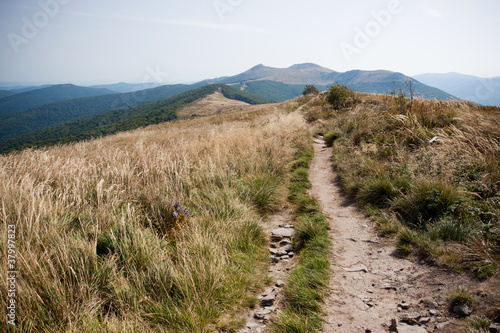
369, 281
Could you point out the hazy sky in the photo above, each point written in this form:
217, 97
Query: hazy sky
91, 41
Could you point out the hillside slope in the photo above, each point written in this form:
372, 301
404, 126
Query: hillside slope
37, 97
123, 119
6, 93
22, 122
103, 247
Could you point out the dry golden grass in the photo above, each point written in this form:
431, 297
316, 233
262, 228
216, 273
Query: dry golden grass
93, 245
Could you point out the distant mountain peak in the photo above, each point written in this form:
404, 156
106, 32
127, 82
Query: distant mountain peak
259, 66
307, 65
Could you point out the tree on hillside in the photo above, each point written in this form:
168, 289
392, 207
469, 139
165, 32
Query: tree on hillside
310, 90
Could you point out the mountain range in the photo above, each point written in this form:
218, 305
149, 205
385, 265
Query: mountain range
55, 113
484, 91
61, 92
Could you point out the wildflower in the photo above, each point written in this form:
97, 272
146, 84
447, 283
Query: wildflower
175, 215
176, 204
186, 211
179, 209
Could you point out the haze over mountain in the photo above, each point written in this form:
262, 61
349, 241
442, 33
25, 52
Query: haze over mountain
124, 87
33, 98
484, 91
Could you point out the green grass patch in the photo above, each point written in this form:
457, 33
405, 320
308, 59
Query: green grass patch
308, 283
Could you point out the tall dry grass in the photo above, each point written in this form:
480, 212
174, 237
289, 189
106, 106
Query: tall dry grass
94, 249
447, 191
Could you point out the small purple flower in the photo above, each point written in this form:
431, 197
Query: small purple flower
176, 204
175, 215
179, 209
186, 211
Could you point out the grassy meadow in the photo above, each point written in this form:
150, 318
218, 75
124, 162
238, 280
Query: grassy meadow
427, 171
152, 230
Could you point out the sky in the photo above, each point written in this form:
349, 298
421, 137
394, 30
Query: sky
166, 41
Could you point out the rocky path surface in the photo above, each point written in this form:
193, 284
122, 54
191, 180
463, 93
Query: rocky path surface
372, 289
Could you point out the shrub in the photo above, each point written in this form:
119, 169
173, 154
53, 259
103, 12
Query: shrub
461, 296
378, 192
340, 96
310, 90
331, 136
427, 201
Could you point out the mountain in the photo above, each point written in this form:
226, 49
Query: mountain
6, 93
297, 74
43, 116
22, 89
124, 87
279, 84
383, 82
484, 91
33, 98
123, 119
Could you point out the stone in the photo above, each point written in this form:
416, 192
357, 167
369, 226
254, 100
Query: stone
287, 248
430, 304
433, 312
281, 253
284, 242
462, 310
273, 251
495, 328
262, 313
280, 283
394, 323
281, 233
269, 299
440, 326
411, 318
287, 226
291, 255
387, 287
268, 290
411, 329
404, 306
424, 320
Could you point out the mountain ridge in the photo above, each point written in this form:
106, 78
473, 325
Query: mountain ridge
369, 81
37, 97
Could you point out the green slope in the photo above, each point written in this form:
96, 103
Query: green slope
275, 91
119, 120
44, 116
33, 98
381, 82
6, 93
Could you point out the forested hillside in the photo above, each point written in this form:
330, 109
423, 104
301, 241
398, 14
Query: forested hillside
122, 119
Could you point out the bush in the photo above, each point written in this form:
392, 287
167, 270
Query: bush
331, 136
310, 90
340, 96
461, 296
427, 202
